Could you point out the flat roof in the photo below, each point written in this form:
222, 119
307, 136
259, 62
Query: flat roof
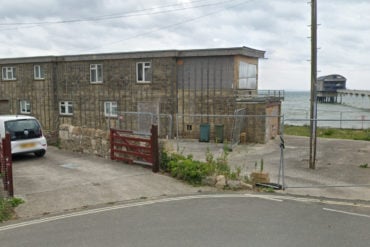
233, 51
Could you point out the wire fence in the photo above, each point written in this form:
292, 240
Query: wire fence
339, 162
141, 122
333, 119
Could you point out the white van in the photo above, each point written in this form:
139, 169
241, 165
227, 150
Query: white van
25, 133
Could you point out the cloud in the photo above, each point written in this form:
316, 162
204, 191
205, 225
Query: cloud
280, 27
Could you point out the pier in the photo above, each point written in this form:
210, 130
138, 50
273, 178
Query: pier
354, 98
327, 88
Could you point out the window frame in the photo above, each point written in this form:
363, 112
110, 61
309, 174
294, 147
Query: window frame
27, 107
94, 69
247, 76
8, 69
145, 67
108, 108
40, 71
67, 106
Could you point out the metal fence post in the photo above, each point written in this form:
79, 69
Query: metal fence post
8, 169
112, 144
155, 149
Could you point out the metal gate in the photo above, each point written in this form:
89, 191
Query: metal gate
239, 125
6, 169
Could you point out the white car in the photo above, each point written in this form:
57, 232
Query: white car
25, 133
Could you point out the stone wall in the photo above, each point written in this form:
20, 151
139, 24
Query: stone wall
119, 85
84, 140
261, 127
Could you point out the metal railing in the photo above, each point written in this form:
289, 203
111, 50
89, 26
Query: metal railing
272, 93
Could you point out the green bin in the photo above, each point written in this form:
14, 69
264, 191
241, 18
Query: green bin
204, 132
219, 133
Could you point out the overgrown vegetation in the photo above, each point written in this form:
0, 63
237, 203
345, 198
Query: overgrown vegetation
7, 206
364, 165
193, 171
351, 134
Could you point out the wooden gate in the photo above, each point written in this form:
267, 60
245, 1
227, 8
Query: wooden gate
133, 147
6, 169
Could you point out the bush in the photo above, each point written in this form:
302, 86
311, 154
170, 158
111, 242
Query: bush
185, 168
189, 170
193, 171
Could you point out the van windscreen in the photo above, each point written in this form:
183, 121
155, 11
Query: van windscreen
23, 129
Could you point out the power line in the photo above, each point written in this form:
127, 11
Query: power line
142, 12
173, 25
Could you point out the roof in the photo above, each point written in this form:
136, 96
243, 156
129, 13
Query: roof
233, 51
333, 77
14, 117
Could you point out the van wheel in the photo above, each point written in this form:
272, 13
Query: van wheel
40, 153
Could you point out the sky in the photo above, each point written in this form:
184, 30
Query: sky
279, 27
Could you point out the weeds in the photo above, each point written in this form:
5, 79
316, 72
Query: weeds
261, 165
193, 171
364, 165
7, 206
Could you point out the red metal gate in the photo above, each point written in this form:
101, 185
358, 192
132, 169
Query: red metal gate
132, 147
6, 169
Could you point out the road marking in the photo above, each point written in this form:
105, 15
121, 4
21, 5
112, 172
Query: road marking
315, 200
266, 197
277, 198
130, 205
345, 212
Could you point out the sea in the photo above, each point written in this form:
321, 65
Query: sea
296, 111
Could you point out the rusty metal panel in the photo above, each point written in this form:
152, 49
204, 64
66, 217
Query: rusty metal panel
206, 73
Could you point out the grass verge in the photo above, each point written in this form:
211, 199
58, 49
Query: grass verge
351, 134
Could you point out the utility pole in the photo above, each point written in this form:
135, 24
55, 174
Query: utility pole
313, 106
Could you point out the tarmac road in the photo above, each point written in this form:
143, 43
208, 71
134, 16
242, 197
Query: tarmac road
214, 220
63, 181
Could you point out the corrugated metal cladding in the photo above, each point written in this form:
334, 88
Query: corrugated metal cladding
202, 73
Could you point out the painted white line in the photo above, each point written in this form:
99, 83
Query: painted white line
266, 197
130, 205
345, 212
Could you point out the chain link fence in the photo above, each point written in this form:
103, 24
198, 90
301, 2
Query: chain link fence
141, 122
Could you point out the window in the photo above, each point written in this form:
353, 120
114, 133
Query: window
66, 108
143, 72
110, 109
96, 73
25, 106
23, 129
9, 73
38, 72
247, 76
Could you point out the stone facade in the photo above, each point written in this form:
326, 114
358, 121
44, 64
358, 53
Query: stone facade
262, 125
184, 82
